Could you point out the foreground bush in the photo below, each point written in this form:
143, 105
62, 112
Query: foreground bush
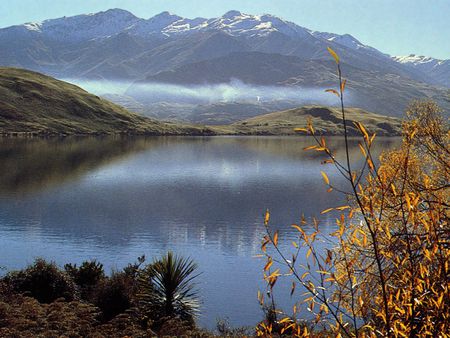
43, 301
167, 288
87, 276
114, 295
22, 316
43, 281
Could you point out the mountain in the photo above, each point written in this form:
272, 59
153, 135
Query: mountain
260, 50
364, 89
37, 104
437, 69
92, 45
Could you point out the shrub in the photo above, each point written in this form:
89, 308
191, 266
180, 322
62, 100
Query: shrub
114, 295
43, 281
86, 276
167, 288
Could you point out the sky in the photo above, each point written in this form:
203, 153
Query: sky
396, 27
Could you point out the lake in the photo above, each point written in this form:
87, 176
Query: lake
116, 198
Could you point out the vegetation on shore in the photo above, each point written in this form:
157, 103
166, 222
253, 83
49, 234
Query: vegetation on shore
141, 300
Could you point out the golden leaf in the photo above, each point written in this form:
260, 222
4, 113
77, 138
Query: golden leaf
326, 210
325, 178
333, 54
343, 85
266, 217
301, 130
335, 92
268, 264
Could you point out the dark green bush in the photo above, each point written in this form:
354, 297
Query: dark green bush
43, 281
167, 288
114, 295
86, 276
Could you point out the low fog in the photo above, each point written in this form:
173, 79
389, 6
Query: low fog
234, 91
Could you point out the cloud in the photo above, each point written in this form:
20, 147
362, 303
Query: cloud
234, 91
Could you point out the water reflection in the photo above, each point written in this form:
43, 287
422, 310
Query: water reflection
117, 198
34, 164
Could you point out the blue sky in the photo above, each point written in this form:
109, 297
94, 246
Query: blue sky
397, 27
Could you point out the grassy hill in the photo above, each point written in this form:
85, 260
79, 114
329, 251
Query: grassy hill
33, 103
326, 120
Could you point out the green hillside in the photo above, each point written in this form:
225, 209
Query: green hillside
33, 103
326, 120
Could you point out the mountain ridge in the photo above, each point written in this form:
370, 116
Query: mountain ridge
116, 45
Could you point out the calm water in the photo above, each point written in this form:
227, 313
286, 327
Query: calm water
115, 199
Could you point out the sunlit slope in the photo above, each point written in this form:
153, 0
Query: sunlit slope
326, 120
31, 102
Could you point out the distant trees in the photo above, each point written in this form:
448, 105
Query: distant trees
387, 270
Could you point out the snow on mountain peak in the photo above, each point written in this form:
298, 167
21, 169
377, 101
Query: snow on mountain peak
88, 26
33, 26
415, 59
237, 23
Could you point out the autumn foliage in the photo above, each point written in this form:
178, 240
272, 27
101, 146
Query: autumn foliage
385, 271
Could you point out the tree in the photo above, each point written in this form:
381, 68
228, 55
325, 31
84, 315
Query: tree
387, 270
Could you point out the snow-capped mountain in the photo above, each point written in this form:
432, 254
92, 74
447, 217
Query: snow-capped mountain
255, 49
114, 21
348, 41
84, 27
438, 69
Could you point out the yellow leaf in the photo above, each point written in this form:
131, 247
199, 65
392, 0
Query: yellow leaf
343, 85
275, 238
372, 138
308, 253
363, 130
301, 130
266, 217
370, 164
363, 151
298, 228
333, 54
335, 92
268, 264
325, 178
393, 189
326, 210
